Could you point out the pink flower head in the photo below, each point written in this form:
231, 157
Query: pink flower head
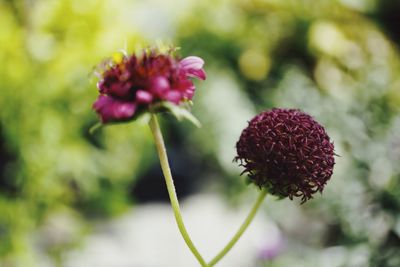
139, 81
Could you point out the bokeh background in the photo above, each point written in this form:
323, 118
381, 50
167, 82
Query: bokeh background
70, 198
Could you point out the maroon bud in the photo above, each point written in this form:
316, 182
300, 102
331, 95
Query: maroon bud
286, 152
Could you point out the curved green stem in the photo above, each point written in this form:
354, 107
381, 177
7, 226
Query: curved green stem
241, 230
162, 153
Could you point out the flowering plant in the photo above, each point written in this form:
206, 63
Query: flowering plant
284, 152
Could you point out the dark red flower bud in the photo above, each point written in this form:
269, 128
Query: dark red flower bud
134, 84
286, 152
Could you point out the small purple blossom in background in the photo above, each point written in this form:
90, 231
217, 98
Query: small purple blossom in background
286, 152
272, 249
131, 86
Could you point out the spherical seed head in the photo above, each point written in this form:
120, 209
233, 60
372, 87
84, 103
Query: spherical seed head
137, 82
286, 152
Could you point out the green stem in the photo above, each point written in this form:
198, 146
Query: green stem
162, 153
241, 230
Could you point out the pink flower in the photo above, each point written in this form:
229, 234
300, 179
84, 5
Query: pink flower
133, 85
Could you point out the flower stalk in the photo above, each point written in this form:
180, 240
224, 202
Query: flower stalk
241, 229
162, 153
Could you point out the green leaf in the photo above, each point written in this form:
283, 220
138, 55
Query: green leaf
95, 127
180, 112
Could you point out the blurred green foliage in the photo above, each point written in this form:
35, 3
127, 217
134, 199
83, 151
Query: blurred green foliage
335, 59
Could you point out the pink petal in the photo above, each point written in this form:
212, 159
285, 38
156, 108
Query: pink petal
193, 66
189, 92
110, 109
118, 89
173, 96
124, 110
200, 74
191, 62
143, 97
160, 85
